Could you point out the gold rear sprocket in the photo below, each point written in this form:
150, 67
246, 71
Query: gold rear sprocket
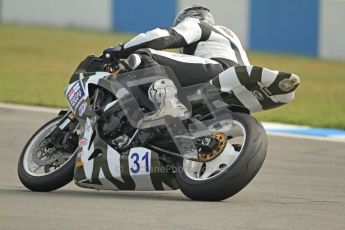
222, 141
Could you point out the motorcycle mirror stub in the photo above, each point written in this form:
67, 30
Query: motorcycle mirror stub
108, 55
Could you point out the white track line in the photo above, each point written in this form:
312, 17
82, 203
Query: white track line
29, 108
307, 137
265, 124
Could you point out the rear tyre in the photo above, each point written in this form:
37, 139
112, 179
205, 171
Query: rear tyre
44, 178
248, 158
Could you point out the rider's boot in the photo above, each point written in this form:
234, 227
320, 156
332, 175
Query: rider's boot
163, 93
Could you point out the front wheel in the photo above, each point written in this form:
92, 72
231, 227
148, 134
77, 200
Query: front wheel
40, 167
228, 173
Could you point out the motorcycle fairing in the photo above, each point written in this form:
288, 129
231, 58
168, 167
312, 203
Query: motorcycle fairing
140, 169
78, 91
100, 166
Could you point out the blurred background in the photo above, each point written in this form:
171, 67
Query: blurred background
42, 41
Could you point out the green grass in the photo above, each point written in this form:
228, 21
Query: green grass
36, 63
320, 97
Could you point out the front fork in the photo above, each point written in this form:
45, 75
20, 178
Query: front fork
63, 137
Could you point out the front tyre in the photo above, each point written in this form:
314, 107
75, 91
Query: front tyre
233, 169
43, 172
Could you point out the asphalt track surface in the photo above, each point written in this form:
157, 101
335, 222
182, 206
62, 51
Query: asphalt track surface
300, 186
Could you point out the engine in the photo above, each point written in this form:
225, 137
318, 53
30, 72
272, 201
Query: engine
116, 129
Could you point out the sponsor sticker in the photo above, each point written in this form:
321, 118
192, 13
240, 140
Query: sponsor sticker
75, 94
82, 109
83, 142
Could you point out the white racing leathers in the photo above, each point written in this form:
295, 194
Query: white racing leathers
211, 53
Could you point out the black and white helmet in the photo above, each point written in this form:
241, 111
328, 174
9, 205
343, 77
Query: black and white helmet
200, 12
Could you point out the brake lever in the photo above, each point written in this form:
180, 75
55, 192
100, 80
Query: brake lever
110, 64
111, 68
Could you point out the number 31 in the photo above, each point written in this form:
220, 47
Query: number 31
136, 167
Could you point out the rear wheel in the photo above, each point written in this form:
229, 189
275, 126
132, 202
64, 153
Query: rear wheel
40, 167
228, 173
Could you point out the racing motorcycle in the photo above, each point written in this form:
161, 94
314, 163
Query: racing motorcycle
108, 139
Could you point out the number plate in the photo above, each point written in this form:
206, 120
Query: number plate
75, 94
139, 160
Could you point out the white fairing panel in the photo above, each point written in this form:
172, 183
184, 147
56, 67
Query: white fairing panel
139, 162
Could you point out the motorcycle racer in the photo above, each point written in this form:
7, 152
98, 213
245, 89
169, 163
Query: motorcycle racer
112, 137
208, 52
